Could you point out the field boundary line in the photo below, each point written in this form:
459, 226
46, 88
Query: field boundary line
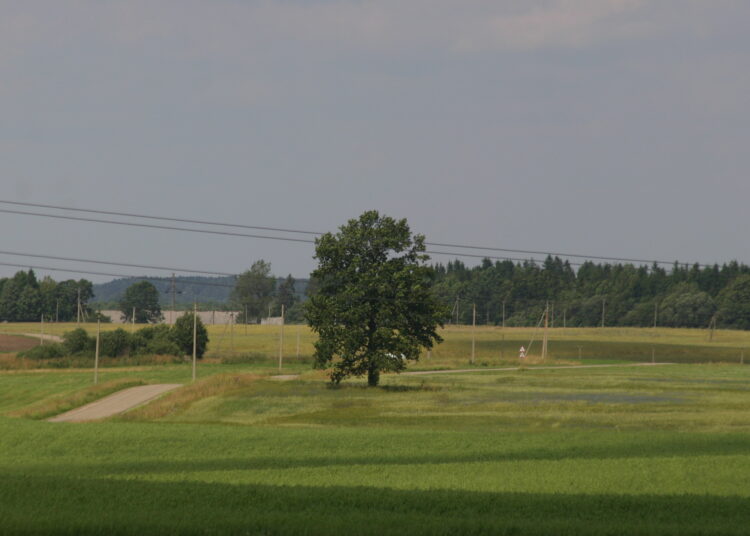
508, 369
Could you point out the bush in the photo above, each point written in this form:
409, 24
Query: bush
47, 351
114, 343
77, 341
182, 335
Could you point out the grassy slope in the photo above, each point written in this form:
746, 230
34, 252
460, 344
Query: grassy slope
590, 451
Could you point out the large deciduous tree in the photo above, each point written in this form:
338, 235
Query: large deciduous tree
144, 298
374, 308
253, 290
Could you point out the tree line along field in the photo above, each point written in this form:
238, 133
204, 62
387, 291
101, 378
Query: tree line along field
493, 346
617, 450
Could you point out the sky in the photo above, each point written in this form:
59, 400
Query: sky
601, 127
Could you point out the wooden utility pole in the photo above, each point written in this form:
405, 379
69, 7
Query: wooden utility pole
132, 324
171, 316
298, 328
503, 314
457, 308
78, 307
604, 305
565, 312
57, 311
544, 338
711, 328
552, 315
656, 312
195, 336
41, 331
281, 337
96, 351
231, 332
473, 332
245, 319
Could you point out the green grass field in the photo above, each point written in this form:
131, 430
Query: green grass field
620, 450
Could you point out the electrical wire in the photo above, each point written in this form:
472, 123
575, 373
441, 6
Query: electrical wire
300, 231
111, 263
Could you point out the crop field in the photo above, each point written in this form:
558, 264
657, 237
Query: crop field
626, 449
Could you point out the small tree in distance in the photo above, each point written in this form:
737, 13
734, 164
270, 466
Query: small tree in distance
144, 298
182, 335
373, 308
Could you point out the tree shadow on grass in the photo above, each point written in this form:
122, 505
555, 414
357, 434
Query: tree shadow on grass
60, 505
629, 447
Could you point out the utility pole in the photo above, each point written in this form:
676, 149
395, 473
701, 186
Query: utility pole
552, 316
171, 316
473, 332
711, 328
298, 328
544, 339
457, 307
604, 304
565, 311
78, 308
231, 332
245, 319
57, 311
96, 352
41, 331
132, 324
503, 314
656, 312
281, 337
195, 335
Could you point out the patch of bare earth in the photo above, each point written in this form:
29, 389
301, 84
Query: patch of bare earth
16, 343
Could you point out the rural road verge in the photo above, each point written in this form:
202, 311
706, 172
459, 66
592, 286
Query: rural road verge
115, 403
505, 369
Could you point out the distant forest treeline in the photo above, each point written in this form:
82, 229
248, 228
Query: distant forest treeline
621, 294
206, 291
615, 294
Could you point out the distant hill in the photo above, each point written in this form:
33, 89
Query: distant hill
189, 289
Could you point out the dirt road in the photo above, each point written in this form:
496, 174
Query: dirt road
115, 403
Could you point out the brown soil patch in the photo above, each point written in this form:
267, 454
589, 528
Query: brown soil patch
14, 343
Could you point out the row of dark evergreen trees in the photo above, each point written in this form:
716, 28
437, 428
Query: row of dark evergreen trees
24, 298
617, 294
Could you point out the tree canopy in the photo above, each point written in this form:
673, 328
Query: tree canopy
373, 309
254, 290
24, 298
144, 299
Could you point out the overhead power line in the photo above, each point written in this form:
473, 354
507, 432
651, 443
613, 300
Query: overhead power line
227, 233
112, 263
297, 231
153, 226
108, 274
161, 218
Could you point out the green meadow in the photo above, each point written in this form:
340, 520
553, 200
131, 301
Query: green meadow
625, 449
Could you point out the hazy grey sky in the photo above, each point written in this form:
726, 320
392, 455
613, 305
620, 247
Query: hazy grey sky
608, 127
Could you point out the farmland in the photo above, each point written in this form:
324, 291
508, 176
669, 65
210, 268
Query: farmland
616, 450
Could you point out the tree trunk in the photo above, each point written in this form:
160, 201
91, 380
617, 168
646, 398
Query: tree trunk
373, 376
